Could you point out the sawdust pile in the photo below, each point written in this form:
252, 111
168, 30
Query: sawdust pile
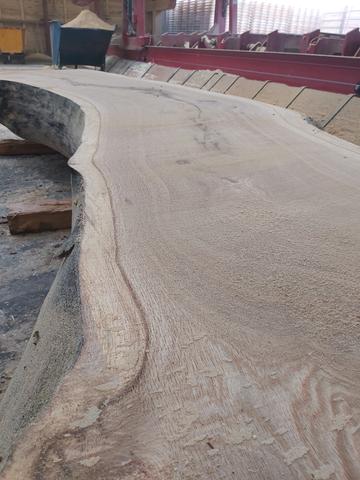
88, 19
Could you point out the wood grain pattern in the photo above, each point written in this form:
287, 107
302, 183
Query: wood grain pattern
218, 275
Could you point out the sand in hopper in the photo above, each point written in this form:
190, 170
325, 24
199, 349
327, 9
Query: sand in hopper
88, 19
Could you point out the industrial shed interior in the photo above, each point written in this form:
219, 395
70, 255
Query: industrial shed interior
179, 232
34, 15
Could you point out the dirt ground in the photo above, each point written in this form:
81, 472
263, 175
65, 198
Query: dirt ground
28, 263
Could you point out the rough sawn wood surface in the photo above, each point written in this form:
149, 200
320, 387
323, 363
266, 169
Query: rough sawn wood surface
218, 271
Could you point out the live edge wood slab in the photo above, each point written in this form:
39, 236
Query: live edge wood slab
205, 324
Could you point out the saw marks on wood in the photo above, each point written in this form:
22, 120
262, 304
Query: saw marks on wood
218, 276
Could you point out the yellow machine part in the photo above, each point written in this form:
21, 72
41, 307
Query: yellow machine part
11, 40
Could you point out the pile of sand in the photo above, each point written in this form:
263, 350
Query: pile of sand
88, 19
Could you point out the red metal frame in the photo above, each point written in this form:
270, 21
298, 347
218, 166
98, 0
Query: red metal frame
136, 18
307, 39
233, 9
322, 72
219, 17
351, 43
283, 42
315, 42
220, 13
179, 39
139, 17
247, 38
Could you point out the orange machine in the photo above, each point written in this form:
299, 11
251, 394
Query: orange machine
12, 44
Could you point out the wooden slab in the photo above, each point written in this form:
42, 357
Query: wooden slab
181, 76
212, 81
121, 66
40, 217
205, 324
317, 105
199, 78
160, 73
22, 147
346, 124
277, 94
224, 83
137, 69
243, 87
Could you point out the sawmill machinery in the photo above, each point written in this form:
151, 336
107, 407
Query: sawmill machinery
315, 59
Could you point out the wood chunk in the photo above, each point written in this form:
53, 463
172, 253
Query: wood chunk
22, 147
45, 216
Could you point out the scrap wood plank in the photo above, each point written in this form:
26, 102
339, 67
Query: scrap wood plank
12, 147
45, 216
205, 325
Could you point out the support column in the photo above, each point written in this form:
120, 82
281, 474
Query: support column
156, 26
139, 17
219, 17
45, 8
233, 8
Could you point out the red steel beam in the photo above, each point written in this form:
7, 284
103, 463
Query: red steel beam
139, 17
322, 72
233, 11
219, 17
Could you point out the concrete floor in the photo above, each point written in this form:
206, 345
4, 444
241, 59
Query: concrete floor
28, 263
